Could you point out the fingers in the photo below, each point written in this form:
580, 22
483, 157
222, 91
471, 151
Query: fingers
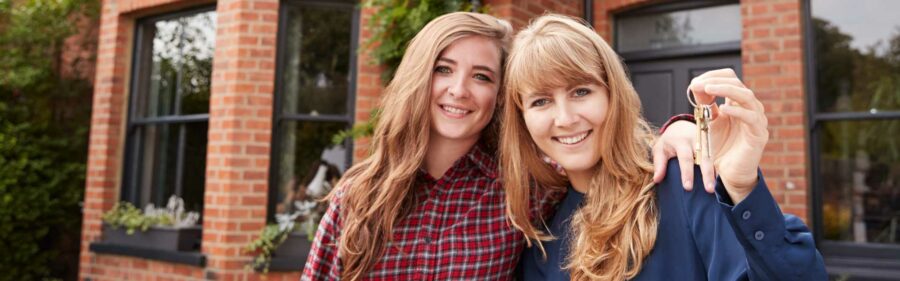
719, 76
755, 120
708, 171
686, 161
659, 161
740, 95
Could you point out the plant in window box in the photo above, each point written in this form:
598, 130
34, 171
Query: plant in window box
291, 237
169, 228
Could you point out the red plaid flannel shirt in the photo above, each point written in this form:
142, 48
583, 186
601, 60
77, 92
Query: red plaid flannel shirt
458, 231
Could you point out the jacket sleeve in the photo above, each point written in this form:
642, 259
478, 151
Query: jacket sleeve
752, 240
323, 262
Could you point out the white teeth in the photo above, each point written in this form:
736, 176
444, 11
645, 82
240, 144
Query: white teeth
455, 110
573, 140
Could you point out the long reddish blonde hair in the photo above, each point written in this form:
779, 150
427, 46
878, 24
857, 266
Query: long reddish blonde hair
375, 193
616, 228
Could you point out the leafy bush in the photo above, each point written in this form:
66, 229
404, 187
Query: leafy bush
44, 118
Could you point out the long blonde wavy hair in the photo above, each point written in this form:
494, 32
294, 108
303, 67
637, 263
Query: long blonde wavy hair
375, 193
616, 229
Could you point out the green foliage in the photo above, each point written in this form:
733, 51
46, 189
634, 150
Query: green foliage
269, 239
31, 33
396, 22
359, 130
41, 187
125, 215
44, 120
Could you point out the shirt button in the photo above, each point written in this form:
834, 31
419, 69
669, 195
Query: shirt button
759, 235
746, 215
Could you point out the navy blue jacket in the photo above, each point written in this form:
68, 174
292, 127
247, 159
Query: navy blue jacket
701, 236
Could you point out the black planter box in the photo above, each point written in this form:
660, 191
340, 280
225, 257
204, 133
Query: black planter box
296, 246
291, 254
158, 238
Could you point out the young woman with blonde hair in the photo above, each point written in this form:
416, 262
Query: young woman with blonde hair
427, 204
568, 97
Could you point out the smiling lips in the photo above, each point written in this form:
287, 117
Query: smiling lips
455, 111
574, 139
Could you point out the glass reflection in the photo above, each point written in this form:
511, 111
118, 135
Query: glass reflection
860, 172
857, 51
710, 25
309, 166
316, 75
181, 66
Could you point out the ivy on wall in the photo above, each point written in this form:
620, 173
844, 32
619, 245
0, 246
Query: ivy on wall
395, 22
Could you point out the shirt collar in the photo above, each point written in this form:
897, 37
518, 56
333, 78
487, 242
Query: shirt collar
476, 158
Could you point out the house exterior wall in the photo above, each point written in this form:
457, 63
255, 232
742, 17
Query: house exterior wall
240, 122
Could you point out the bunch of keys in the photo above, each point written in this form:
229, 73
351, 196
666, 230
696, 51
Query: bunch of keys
703, 117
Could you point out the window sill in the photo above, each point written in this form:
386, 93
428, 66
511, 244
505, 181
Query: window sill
188, 258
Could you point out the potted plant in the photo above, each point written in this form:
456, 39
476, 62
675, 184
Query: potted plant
290, 238
169, 228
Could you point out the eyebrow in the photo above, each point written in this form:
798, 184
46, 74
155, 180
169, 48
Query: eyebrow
537, 94
480, 67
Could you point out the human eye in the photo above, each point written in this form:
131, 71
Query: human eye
442, 69
540, 102
580, 92
483, 77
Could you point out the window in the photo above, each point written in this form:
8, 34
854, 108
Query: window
314, 101
679, 29
855, 116
169, 109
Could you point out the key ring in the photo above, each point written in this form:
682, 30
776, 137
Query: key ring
690, 98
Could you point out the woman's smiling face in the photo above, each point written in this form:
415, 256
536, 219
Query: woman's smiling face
564, 123
464, 88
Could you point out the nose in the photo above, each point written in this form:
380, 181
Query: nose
458, 86
565, 115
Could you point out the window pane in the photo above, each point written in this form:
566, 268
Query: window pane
168, 152
857, 51
860, 174
178, 66
317, 60
719, 24
308, 162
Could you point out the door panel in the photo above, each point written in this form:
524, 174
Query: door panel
661, 84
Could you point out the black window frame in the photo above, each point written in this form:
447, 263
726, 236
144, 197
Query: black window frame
278, 117
865, 259
130, 174
673, 52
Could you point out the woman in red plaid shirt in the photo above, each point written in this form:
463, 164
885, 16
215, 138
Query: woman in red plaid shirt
427, 204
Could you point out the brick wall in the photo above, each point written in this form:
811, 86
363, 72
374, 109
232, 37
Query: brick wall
772, 54
237, 167
241, 113
239, 138
772, 62
519, 12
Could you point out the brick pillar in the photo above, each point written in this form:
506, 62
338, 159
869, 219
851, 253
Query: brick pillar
772, 57
368, 84
240, 127
107, 121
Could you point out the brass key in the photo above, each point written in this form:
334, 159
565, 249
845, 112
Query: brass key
703, 116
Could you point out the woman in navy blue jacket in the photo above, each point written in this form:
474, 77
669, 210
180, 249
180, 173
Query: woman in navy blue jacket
569, 99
